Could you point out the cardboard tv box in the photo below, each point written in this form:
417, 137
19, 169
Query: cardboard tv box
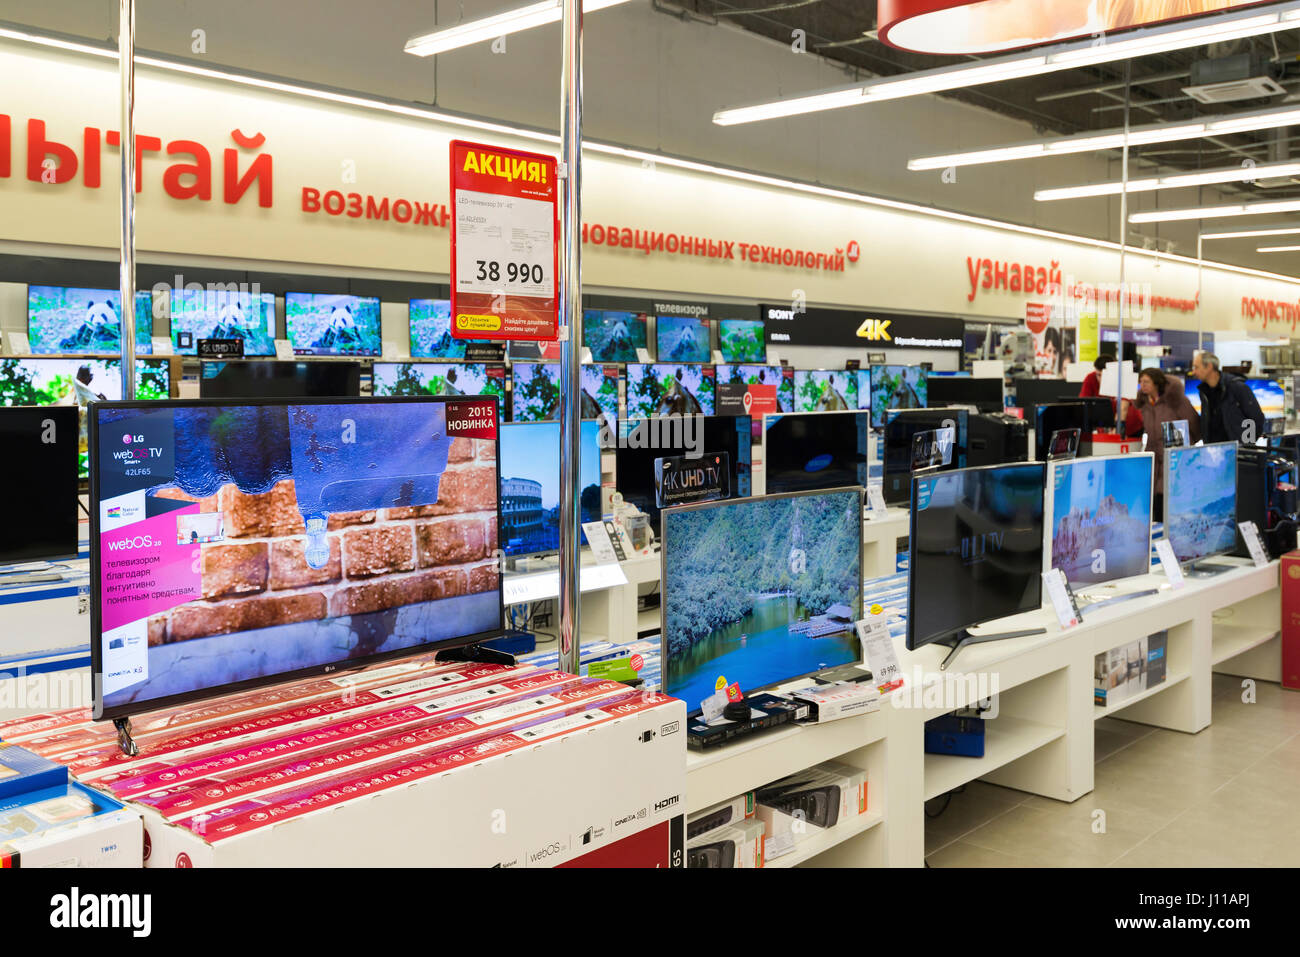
606, 785
68, 825
1291, 620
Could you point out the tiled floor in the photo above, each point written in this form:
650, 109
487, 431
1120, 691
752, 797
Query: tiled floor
1221, 798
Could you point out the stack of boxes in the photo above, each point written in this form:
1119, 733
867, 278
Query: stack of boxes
725, 835
1130, 669
802, 805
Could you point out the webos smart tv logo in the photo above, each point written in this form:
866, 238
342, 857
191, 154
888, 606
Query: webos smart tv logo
136, 452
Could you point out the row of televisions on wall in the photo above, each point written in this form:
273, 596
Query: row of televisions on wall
72, 320
778, 602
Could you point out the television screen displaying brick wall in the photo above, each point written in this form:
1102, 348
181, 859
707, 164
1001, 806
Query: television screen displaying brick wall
243, 542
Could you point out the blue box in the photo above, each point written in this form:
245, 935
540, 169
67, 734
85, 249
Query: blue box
22, 771
951, 734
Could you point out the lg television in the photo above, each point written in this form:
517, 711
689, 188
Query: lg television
321, 324
760, 375
613, 336
269, 379
811, 451
535, 393
643, 440
681, 339
430, 324
895, 387
975, 552
208, 616
223, 314
900, 429
63, 319
1099, 518
43, 526
1054, 417
438, 378
824, 390
530, 485
1200, 517
984, 394
669, 389
742, 340
760, 590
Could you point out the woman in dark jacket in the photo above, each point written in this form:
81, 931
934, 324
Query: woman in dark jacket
1161, 399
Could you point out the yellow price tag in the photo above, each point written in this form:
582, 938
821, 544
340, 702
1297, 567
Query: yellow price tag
471, 323
720, 683
876, 609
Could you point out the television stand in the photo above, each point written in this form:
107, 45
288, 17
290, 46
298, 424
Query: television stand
1200, 569
478, 653
1091, 603
964, 638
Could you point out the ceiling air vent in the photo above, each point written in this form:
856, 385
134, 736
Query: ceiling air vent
1231, 78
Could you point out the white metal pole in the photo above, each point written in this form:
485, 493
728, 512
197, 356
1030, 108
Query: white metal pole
126, 279
570, 301
1123, 246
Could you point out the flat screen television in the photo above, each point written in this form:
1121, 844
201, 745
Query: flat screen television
975, 549
613, 336
1200, 517
742, 340
1271, 397
43, 524
535, 396
761, 590
530, 485
669, 389
430, 324
323, 324
223, 314
895, 387
901, 427
1052, 418
761, 375
1030, 392
984, 394
600, 392
681, 339
276, 379
70, 320
808, 451
643, 440
246, 584
1099, 518
439, 378
1100, 413
825, 390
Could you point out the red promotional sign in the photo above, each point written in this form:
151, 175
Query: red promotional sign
472, 419
504, 243
1037, 315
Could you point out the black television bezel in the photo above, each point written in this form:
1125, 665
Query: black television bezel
961, 443
47, 493
910, 637
693, 708
102, 713
288, 329
986, 407
354, 364
1042, 437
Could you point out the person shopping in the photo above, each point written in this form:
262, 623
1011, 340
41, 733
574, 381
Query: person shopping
1092, 387
1229, 410
1161, 398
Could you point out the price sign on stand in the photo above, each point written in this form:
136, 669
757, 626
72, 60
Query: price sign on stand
504, 243
878, 649
1062, 597
1169, 561
1250, 532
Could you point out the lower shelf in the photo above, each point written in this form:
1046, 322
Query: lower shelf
824, 841
1232, 640
1110, 709
1005, 739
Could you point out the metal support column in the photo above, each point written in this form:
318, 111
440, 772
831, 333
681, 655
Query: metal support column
126, 280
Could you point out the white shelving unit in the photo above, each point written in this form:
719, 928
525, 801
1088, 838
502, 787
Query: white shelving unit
827, 839
1006, 739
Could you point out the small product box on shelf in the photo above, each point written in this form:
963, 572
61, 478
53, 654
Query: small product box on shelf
22, 771
800, 805
724, 814
839, 700
737, 845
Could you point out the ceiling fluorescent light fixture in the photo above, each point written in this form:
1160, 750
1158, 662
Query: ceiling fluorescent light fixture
1179, 35
1115, 138
1231, 174
497, 25
1216, 212
1253, 233
1278, 249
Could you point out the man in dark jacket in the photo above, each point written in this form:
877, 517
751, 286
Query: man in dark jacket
1229, 410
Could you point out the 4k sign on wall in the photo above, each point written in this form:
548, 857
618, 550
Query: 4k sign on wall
504, 243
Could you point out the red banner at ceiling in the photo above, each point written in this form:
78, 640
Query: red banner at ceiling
988, 26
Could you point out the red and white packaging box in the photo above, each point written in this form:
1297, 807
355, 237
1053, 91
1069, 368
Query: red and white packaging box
1291, 620
540, 792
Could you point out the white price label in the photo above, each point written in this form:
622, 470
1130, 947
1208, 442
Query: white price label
713, 706
1058, 590
1169, 562
876, 500
283, 349
881, 658
602, 547
505, 245
1250, 532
